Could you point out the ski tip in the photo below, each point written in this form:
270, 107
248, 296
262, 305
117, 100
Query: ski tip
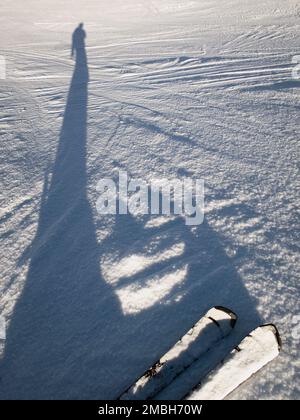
274, 329
229, 312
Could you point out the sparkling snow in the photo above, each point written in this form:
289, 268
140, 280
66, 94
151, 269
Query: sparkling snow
176, 88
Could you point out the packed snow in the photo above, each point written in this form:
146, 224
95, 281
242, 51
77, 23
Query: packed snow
164, 89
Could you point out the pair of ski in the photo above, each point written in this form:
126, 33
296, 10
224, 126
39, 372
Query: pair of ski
193, 358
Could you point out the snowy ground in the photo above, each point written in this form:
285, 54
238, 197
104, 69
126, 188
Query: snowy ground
176, 88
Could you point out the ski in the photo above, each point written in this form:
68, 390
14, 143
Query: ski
259, 348
206, 333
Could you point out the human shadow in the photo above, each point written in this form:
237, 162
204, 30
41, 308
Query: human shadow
60, 306
71, 335
78, 43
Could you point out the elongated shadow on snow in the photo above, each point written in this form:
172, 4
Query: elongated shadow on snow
62, 304
71, 334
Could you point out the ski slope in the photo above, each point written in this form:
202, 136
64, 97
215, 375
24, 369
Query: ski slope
173, 89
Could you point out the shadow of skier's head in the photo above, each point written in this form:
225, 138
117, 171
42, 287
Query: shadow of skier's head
78, 42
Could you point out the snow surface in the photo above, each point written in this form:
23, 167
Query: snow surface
176, 88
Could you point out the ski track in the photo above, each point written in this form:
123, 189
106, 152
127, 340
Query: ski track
201, 94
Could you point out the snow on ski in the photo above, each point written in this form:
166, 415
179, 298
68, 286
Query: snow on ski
213, 327
259, 348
